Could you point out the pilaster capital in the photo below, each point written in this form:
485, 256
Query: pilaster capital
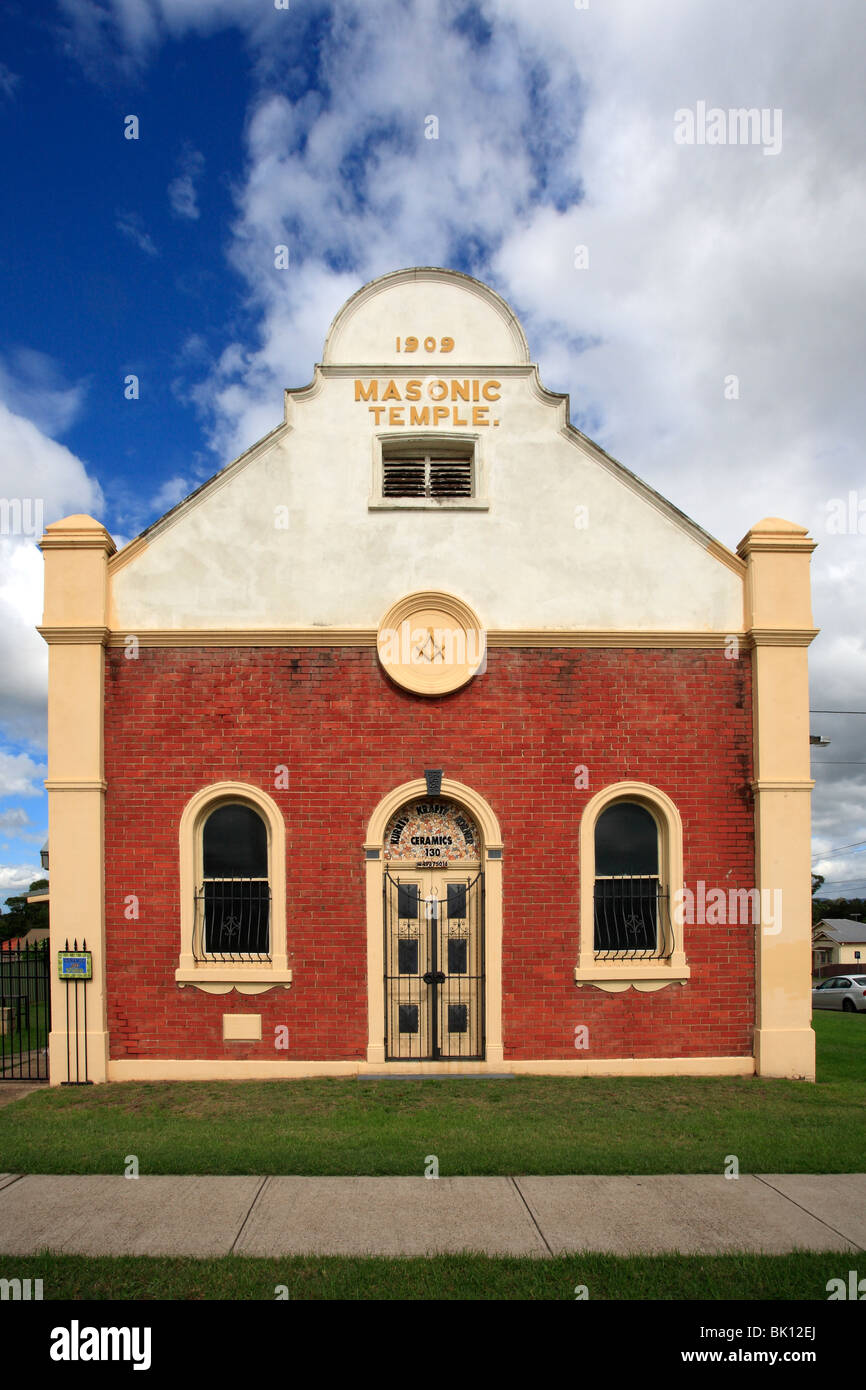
776, 534
77, 550
79, 532
778, 595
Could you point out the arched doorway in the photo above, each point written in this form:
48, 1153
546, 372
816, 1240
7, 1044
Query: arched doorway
434, 894
433, 917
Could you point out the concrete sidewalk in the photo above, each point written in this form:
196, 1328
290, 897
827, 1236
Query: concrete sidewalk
538, 1216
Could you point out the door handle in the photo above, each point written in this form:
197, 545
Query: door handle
429, 977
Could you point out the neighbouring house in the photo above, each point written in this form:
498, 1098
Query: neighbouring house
427, 738
837, 941
29, 938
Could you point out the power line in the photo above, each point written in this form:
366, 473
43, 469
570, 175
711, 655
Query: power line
825, 854
843, 762
837, 711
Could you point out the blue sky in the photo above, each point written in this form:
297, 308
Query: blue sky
306, 126
103, 274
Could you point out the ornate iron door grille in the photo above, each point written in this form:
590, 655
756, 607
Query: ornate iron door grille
434, 967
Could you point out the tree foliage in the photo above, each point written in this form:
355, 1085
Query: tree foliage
849, 909
20, 915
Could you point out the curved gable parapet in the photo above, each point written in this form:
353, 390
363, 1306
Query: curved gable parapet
453, 319
546, 531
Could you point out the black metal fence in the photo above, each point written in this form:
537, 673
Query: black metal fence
25, 1011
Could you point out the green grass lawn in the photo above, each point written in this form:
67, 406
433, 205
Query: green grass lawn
526, 1125
841, 1045
440, 1277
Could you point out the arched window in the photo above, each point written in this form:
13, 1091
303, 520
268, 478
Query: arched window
232, 844
233, 899
631, 871
631, 914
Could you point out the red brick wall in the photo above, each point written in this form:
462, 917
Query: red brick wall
178, 719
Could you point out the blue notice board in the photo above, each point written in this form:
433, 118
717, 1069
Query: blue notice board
74, 965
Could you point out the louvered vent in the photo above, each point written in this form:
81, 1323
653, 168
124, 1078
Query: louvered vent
450, 477
404, 477
425, 475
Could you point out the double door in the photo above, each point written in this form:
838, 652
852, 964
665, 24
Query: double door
434, 964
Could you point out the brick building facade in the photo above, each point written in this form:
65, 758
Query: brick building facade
426, 737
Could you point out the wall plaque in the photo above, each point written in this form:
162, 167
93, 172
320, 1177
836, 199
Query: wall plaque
432, 643
74, 965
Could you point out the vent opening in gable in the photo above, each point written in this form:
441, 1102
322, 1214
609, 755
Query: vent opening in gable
436, 472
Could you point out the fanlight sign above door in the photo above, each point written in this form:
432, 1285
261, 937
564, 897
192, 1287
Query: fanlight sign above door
432, 643
434, 829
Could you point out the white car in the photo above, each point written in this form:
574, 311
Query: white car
846, 992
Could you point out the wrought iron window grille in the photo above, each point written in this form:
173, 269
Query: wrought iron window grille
632, 919
232, 920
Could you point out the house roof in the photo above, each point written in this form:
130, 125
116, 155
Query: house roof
15, 943
841, 930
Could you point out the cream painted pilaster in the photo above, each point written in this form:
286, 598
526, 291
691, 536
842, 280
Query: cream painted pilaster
779, 623
76, 552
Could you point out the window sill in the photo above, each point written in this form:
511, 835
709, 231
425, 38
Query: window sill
646, 977
428, 504
221, 979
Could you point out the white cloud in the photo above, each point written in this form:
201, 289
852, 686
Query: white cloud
16, 879
42, 481
128, 31
704, 262
32, 385
18, 775
696, 271
182, 192
23, 653
132, 227
171, 492
94, 28
34, 466
182, 196
8, 81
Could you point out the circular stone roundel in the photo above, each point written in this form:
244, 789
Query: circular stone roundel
431, 643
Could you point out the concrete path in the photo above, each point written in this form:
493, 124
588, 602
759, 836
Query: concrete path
17, 1090
536, 1216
